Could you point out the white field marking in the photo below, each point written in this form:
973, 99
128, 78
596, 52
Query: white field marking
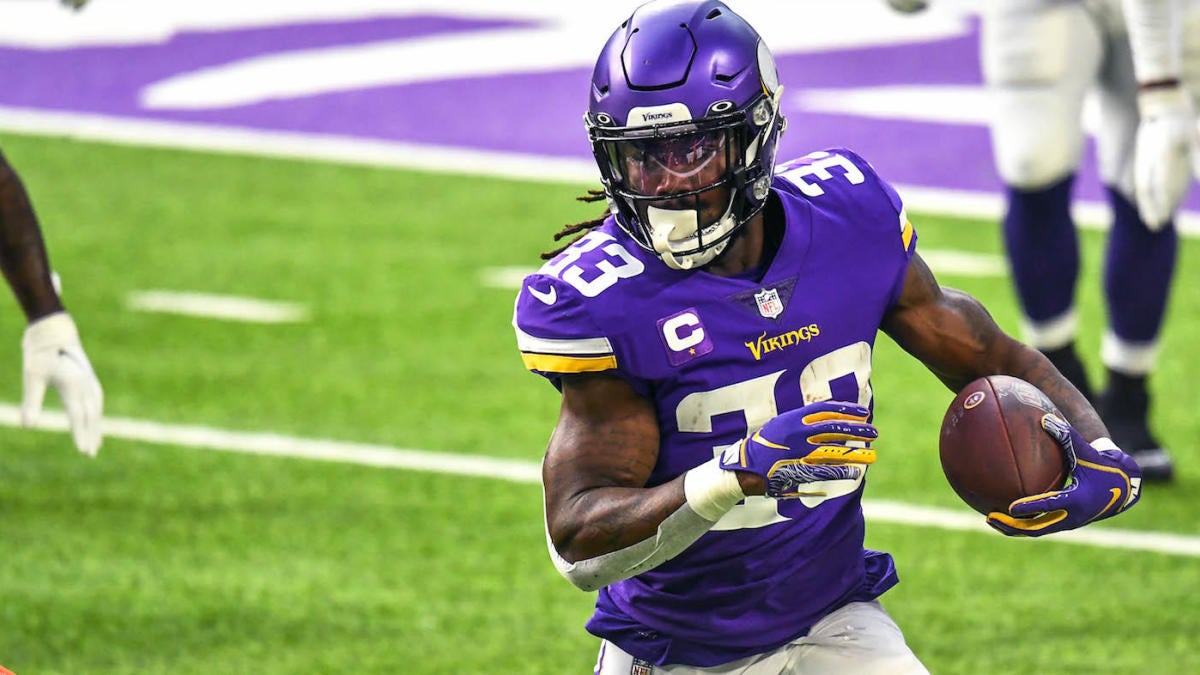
945, 103
524, 471
295, 145
562, 37
957, 263
549, 36
447, 160
228, 307
1103, 537
848, 23
278, 445
964, 263
504, 277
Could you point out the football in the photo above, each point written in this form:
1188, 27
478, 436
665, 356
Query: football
993, 447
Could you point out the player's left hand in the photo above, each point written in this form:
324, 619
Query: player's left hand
1162, 169
1102, 484
799, 451
53, 356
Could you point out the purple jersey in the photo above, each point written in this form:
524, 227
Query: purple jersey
719, 356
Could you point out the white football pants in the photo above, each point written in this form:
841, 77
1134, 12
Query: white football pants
859, 638
1041, 59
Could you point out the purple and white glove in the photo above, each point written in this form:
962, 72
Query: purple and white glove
806, 446
1102, 484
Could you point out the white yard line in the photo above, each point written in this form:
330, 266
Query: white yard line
295, 145
965, 263
263, 443
227, 307
899, 513
504, 277
524, 471
440, 159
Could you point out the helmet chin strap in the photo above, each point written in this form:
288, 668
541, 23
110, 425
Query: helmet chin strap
666, 222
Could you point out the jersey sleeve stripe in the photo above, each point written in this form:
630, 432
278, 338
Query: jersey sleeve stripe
906, 229
566, 347
551, 363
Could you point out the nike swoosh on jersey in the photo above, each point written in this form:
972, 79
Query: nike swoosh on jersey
547, 297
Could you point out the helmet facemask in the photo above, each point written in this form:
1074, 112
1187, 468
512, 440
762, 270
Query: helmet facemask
682, 189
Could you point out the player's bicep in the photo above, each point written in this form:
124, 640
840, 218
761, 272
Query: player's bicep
607, 436
947, 329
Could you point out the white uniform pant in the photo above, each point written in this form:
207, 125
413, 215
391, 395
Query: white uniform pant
858, 638
1041, 60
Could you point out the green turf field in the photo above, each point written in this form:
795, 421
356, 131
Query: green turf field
162, 559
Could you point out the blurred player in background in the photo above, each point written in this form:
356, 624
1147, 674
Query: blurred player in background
1041, 58
712, 339
53, 355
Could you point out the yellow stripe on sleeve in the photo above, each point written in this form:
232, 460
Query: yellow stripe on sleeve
554, 363
906, 234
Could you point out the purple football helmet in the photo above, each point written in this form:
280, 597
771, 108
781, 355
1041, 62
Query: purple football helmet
684, 121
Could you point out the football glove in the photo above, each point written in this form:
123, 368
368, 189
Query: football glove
53, 356
1162, 168
1102, 484
797, 449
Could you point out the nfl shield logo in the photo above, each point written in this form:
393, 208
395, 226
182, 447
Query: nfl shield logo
641, 667
769, 304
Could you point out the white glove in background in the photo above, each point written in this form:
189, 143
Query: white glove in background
53, 356
1162, 169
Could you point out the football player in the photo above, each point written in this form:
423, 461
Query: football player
53, 354
1041, 59
712, 338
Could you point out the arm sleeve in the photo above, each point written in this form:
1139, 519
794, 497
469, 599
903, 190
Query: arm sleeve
711, 491
679, 531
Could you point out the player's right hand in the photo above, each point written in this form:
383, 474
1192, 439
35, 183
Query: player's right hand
1103, 482
806, 445
1162, 168
53, 356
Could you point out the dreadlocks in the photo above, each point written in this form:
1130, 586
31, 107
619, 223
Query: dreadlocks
585, 226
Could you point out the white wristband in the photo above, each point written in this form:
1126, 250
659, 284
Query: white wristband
1104, 443
1155, 102
711, 491
53, 330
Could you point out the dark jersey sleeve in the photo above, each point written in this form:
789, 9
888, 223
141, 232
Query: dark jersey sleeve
555, 332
